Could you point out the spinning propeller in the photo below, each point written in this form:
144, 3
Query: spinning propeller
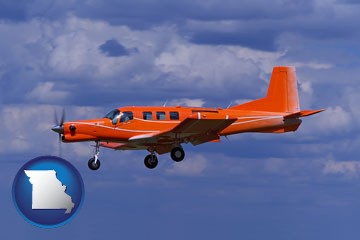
59, 127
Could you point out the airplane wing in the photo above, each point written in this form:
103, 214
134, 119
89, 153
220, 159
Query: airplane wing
198, 128
203, 127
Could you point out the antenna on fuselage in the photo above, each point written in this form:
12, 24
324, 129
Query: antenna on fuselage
164, 105
229, 105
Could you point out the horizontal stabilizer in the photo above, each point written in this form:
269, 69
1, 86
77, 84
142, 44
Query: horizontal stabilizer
303, 113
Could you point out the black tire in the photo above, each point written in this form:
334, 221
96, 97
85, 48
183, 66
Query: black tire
151, 161
92, 165
177, 154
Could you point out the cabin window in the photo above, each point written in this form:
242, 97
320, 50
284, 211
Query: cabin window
147, 115
160, 116
174, 115
126, 116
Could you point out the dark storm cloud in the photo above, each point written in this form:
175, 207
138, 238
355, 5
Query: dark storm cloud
112, 48
257, 24
171, 11
146, 14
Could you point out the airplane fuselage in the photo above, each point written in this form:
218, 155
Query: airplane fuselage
152, 120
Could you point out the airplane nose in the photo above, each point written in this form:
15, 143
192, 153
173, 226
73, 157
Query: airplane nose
58, 129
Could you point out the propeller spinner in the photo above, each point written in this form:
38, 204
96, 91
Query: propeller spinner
59, 127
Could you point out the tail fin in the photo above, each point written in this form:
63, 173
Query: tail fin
282, 95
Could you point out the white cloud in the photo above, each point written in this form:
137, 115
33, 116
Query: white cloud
241, 101
305, 93
347, 168
334, 120
195, 102
27, 128
312, 65
22, 127
193, 166
45, 93
353, 99
76, 48
306, 87
82, 150
68, 49
163, 54
215, 66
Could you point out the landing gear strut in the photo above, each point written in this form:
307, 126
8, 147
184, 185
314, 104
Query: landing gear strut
94, 162
151, 161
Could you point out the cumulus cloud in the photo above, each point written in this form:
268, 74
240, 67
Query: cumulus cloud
22, 124
191, 52
193, 166
45, 93
27, 128
306, 87
241, 101
346, 168
192, 102
334, 120
77, 52
218, 69
313, 65
352, 101
61, 60
67, 52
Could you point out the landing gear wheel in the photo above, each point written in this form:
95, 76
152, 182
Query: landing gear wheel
92, 165
151, 161
177, 154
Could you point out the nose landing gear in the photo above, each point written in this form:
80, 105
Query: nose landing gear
94, 162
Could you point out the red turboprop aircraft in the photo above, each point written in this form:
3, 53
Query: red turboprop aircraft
163, 129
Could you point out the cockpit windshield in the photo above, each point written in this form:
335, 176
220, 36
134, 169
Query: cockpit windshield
113, 115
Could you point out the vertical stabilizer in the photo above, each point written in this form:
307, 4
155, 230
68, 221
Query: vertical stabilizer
282, 95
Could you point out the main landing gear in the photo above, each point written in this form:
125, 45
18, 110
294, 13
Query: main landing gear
177, 154
151, 161
94, 162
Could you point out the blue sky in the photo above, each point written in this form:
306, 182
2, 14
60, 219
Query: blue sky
93, 56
